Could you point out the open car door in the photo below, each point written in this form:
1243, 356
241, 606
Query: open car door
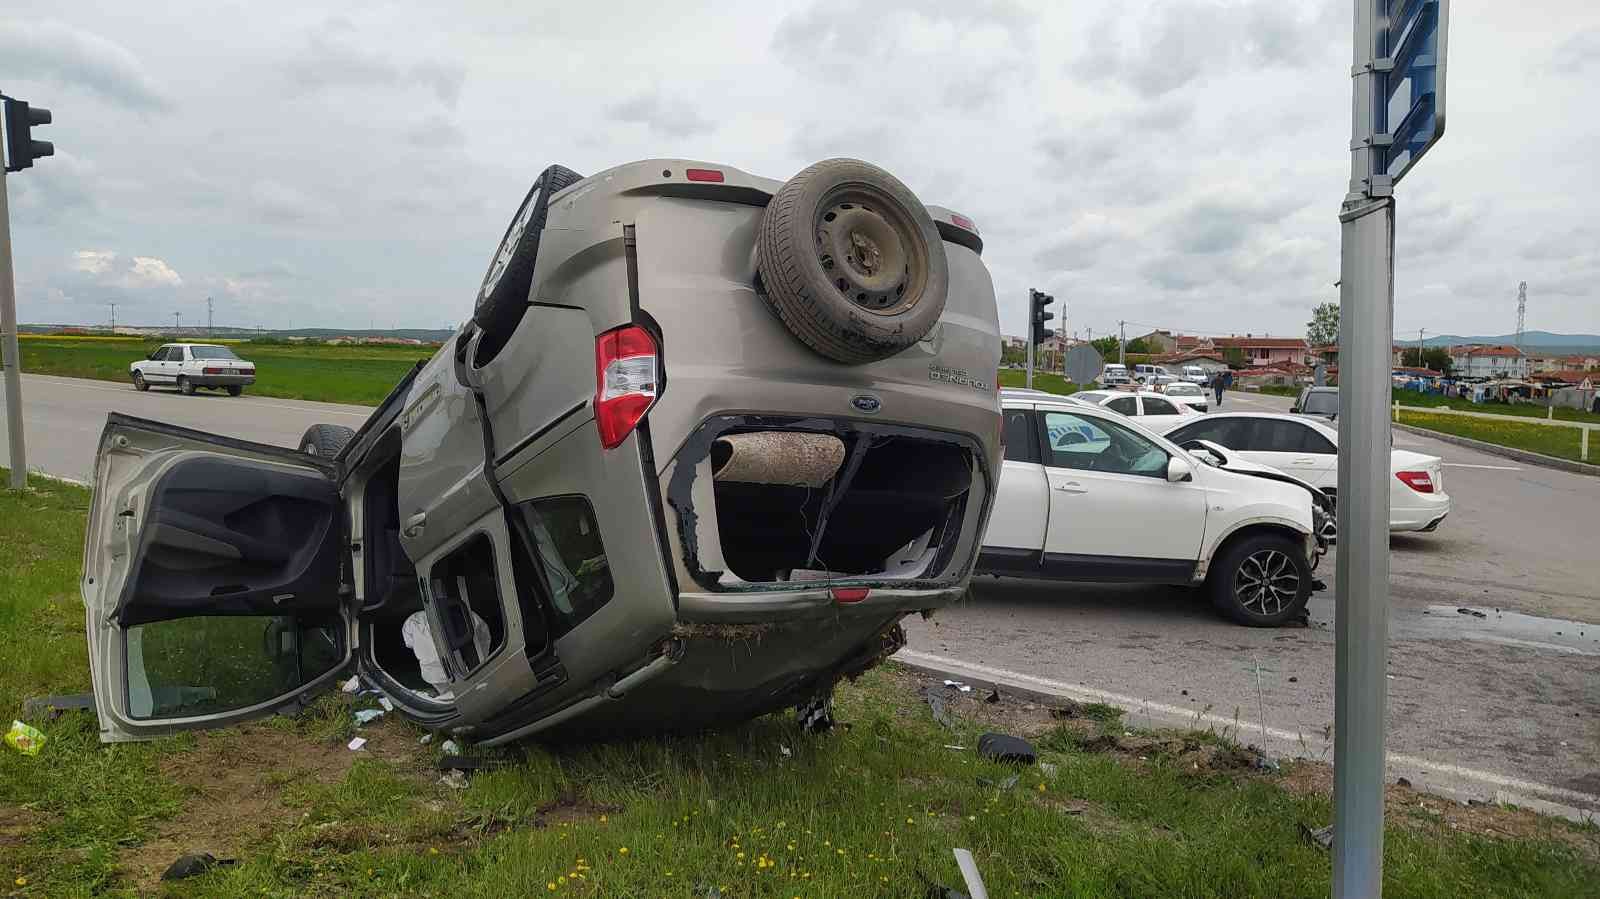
211, 581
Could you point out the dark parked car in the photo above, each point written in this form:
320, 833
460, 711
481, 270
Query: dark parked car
1322, 402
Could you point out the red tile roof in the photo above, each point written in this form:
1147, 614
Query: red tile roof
1246, 343
1500, 350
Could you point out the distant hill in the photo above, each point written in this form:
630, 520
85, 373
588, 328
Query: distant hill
1539, 341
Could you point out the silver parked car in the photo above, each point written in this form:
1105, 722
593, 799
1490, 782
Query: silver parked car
707, 439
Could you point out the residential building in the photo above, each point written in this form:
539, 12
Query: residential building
1159, 341
1210, 361
1264, 350
1498, 361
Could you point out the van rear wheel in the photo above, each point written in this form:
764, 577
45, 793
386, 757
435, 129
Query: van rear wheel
851, 261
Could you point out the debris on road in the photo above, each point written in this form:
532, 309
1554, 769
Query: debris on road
1473, 612
1319, 836
450, 747
969, 873
1006, 748
356, 744
455, 779
936, 705
426, 739
367, 716
993, 697
351, 685
25, 739
387, 705
958, 685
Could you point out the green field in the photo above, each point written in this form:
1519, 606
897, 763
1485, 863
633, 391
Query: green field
762, 810
1042, 380
1434, 400
361, 375
1550, 440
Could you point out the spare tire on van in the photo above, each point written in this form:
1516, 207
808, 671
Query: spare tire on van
852, 262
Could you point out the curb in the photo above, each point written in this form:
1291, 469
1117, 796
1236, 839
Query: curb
1495, 449
1430, 776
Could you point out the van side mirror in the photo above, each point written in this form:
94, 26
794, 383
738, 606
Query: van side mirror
1179, 470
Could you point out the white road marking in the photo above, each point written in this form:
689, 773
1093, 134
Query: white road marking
1197, 718
1489, 467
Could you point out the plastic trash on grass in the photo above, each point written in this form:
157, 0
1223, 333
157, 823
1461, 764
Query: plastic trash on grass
25, 739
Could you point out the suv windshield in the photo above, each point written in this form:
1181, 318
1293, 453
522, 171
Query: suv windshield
211, 352
1321, 403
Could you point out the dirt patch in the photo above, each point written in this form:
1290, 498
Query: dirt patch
15, 825
1011, 714
1190, 752
1410, 808
571, 809
237, 779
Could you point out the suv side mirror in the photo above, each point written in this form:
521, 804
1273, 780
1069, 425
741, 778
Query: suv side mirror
1295, 409
1179, 470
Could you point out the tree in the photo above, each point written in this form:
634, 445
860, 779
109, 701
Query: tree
1106, 347
1435, 358
1323, 329
1234, 357
1137, 345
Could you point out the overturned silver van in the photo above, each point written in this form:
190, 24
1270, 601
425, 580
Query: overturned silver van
706, 440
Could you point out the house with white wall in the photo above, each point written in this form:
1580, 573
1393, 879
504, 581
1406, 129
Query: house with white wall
1499, 361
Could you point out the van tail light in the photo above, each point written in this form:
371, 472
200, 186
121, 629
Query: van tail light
627, 371
1420, 481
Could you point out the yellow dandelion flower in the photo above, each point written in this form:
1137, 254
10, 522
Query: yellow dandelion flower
551, 886
910, 821
562, 880
603, 819
622, 851
740, 855
433, 850
1041, 786
22, 881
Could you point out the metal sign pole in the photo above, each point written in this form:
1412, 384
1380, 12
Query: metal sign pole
1030, 355
9, 348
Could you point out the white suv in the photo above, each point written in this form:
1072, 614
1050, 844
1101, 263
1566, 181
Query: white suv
1088, 495
188, 366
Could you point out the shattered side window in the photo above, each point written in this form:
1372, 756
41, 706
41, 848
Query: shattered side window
572, 558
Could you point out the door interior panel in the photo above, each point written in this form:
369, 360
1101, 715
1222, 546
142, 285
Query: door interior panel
235, 537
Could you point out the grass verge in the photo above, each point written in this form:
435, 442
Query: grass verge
1042, 380
1434, 400
361, 375
872, 809
1550, 440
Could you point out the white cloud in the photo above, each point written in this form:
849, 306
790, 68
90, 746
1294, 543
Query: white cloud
63, 54
94, 262
111, 269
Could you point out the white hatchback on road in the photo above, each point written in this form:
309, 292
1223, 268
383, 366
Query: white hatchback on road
1088, 495
189, 366
1308, 448
1153, 410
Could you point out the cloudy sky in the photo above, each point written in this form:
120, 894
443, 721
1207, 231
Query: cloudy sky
1176, 164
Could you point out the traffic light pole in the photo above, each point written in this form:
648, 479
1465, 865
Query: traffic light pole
1030, 340
9, 348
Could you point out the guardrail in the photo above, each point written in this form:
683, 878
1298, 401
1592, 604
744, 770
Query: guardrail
1550, 420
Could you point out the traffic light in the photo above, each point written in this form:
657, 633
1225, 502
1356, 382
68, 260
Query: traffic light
1037, 300
20, 147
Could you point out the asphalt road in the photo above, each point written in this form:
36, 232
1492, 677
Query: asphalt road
1514, 695
62, 418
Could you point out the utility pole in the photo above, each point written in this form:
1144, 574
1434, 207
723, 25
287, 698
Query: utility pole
1122, 343
208, 317
113, 319
177, 324
1421, 363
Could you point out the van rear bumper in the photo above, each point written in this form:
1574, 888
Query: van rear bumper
768, 606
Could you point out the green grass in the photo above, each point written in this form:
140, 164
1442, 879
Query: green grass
1278, 390
1042, 380
762, 810
361, 375
1434, 400
1551, 440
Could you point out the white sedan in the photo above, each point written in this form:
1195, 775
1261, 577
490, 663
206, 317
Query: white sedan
1152, 409
1308, 448
1193, 396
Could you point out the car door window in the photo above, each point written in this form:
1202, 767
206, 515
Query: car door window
1021, 446
1154, 406
175, 354
465, 588
159, 355
205, 665
1086, 443
572, 558
1315, 442
1229, 432
1127, 405
1273, 435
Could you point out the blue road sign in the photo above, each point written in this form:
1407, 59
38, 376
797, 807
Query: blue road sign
1408, 117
